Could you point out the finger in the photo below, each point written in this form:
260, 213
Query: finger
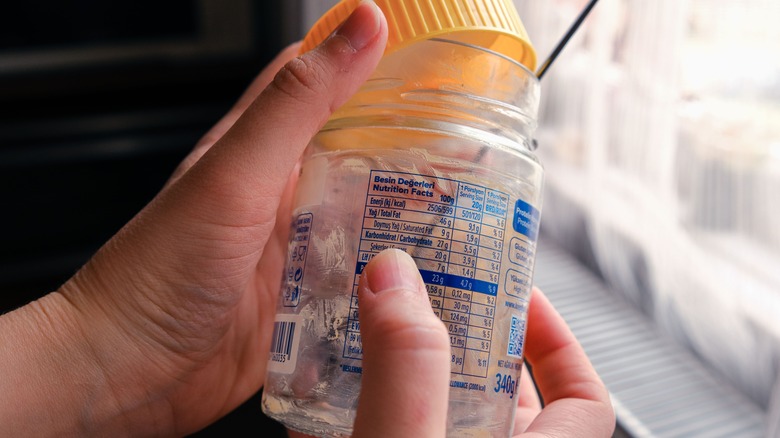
250, 94
576, 402
406, 353
528, 404
249, 165
257, 86
274, 256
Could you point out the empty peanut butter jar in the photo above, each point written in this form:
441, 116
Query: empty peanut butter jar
433, 156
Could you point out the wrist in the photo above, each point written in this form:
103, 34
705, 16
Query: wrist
49, 379
70, 370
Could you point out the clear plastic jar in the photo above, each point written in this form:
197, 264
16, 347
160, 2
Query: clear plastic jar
433, 156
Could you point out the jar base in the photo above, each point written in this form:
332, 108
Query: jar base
311, 418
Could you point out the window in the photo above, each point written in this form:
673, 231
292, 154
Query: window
660, 133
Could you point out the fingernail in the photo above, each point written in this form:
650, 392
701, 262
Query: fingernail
362, 26
391, 269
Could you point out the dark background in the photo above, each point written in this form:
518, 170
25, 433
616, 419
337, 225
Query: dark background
98, 103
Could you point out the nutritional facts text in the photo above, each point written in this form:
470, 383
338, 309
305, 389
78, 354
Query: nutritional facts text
455, 232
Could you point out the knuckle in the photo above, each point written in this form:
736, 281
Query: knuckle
301, 78
409, 332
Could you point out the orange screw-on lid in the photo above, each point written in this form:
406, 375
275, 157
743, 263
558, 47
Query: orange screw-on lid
492, 24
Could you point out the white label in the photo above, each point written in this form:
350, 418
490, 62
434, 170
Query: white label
284, 344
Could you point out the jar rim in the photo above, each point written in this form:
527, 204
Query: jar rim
492, 52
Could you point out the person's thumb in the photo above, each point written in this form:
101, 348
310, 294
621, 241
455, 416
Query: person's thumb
240, 179
406, 353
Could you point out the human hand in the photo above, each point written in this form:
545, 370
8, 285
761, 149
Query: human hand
168, 326
406, 365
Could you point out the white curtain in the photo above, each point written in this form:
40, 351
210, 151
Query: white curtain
660, 133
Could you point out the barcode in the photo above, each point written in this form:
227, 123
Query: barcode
282, 339
284, 343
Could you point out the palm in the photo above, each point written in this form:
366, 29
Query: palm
227, 369
234, 369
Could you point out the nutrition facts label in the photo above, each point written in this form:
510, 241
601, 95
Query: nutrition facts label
455, 232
